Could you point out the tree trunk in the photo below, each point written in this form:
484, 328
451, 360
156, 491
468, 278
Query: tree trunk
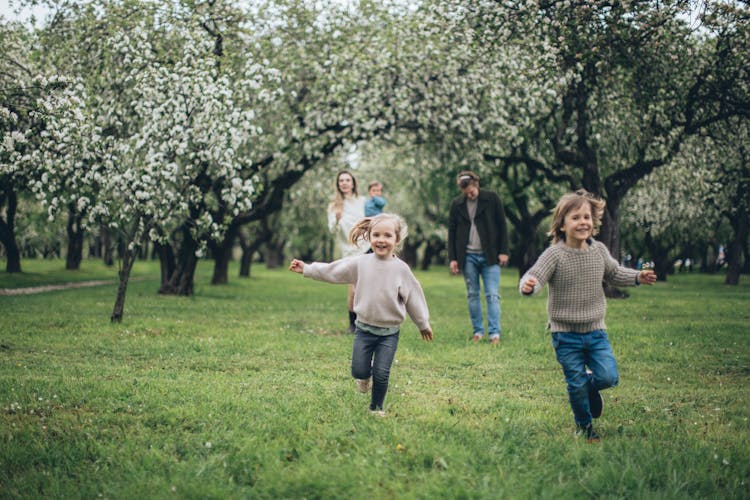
107, 247
180, 281
127, 265
222, 252
660, 256
432, 250
741, 225
610, 236
248, 250
166, 262
222, 256
409, 253
275, 253
75, 241
527, 248
8, 235
245, 263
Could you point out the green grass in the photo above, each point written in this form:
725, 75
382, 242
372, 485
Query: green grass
243, 391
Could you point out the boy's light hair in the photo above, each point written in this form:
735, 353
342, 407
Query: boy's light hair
574, 201
363, 227
373, 184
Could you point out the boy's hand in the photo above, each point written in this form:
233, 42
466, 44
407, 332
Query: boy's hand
426, 334
297, 266
528, 287
646, 277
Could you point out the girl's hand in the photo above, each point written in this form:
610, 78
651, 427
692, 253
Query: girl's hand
297, 266
646, 277
338, 215
426, 334
528, 287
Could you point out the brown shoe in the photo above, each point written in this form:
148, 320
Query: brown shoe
364, 385
495, 340
476, 338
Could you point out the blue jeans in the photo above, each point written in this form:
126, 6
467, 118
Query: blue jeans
476, 266
373, 355
575, 352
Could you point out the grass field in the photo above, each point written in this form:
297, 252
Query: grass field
243, 391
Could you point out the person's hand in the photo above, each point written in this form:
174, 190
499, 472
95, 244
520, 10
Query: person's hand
646, 277
297, 266
454, 267
426, 334
503, 259
338, 215
528, 286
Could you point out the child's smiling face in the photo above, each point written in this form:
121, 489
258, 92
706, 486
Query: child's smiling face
383, 238
578, 226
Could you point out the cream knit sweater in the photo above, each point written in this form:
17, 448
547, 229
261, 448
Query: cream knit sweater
576, 301
385, 289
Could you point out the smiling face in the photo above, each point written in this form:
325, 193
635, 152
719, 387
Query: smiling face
578, 226
384, 238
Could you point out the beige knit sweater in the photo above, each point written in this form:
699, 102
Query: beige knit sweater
576, 301
385, 289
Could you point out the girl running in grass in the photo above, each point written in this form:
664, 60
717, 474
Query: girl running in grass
575, 266
385, 292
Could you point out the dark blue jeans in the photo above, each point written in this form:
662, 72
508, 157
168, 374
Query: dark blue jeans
575, 352
372, 355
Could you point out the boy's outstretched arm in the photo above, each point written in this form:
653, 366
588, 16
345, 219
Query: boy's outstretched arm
297, 266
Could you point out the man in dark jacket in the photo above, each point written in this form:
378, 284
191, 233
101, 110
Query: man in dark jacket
478, 246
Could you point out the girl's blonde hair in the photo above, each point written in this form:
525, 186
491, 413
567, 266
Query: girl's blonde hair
363, 228
337, 201
574, 201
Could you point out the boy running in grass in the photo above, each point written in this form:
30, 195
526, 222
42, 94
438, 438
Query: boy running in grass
575, 266
388, 292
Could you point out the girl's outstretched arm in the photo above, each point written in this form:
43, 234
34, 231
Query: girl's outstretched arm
297, 266
426, 334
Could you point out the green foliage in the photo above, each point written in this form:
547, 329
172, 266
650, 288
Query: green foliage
243, 391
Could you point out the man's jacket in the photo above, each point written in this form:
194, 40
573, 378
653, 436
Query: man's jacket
491, 226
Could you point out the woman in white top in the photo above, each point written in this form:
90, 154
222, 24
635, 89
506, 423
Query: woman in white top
344, 211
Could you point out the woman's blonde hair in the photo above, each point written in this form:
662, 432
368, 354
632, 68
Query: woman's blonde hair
337, 201
362, 229
574, 201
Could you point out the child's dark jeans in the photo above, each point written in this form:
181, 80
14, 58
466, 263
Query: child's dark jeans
373, 355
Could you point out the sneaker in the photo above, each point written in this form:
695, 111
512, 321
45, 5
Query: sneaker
364, 385
596, 403
589, 433
377, 413
495, 340
476, 338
